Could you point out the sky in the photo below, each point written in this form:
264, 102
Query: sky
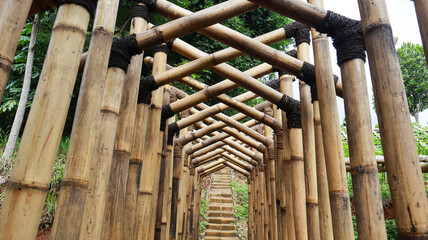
404, 25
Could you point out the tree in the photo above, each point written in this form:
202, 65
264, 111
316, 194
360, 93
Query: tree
415, 77
19, 116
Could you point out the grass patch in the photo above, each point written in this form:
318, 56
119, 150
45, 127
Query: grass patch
204, 207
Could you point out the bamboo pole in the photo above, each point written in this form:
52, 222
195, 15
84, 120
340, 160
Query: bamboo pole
12, 19
68, 215
407, 188
421, 13
365, 177
114, 221
30, 178
287, 206
149, 181
237, 168
298, 184
270, 152
243, 43
183, 26
308, 135
279, 174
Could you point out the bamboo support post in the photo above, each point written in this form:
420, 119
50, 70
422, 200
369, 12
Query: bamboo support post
287, 207
298, 183
12, 19
309, 155
69, 213
30, 178
149, 181
399, 147
270, 152
421, 7
279, 174
365, 177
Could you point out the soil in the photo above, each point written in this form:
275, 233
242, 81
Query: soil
43, 234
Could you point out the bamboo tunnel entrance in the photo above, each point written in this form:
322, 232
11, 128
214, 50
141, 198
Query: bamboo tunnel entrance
163, 148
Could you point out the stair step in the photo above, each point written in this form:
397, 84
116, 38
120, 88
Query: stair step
221, 194
220, 238
220, 220
221, 226
220, 214
214, 207
220, 200
220, 233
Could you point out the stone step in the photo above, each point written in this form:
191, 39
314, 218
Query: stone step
221, 194
221, 226
220, 220
220, 233
220, 200
220, 207
220, 238
220, 214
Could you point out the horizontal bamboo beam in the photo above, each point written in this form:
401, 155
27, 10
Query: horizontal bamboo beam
237, 168
213, 171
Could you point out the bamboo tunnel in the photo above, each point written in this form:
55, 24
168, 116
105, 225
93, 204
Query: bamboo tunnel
30, 178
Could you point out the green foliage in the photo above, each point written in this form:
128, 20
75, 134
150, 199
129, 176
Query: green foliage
204, 204
415, 76
240, 193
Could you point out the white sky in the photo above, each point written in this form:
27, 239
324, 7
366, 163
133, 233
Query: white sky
404, 26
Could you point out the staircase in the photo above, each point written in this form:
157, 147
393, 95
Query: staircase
220, 208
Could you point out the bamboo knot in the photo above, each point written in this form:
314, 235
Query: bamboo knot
5, 63
296, 157
28, 185
73, 182
67, 27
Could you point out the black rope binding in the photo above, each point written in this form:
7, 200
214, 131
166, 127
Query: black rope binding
161, 48
307, 74
122, 51
149, 3
314, 93
166, 113
347, 35
291, 53
140, 10
274, 84
292, 109
90, 5
172, 130
147, 85
299, 31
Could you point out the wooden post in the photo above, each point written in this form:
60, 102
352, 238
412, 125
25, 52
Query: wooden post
114, 221
270, 152
30, 178
68, 215
12, 19
421, 7
149, 181
279, 174
309, 155
399, 147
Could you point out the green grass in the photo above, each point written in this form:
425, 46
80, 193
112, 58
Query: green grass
240, 193
204, 203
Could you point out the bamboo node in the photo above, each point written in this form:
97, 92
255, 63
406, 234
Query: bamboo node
28, 185
296, 157
5, 63
70, 28
72, 182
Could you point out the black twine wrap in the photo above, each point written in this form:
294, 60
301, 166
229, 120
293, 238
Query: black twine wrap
161, 48
166, 113
172, 130
307, 74
274, 84
150, 3
140, 11
90, 5
291, 53
122, 51
147, 85
292, 109
347, 35
299, 31
314, 93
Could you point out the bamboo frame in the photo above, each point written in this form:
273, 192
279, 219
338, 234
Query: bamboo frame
30, 178
10, 32
271, 183
279, 175
85, 126
149, 181
407, 188
308, 136
244, 44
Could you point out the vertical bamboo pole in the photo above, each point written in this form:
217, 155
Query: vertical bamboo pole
399, 147
267, 192
326, 228
30, 179
272, 183
74, 184
365, 176
115, 204
421, 7
333, 148
287, 206
98, 184
12, 19
298, 183
309, 155
149, 181
279, 174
